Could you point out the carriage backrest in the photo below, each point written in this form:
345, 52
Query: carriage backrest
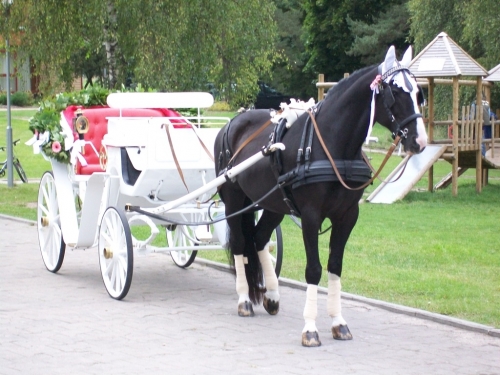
98, 127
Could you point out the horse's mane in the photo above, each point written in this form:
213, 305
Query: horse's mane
343, 84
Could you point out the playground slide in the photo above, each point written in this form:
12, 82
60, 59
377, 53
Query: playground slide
493, 156
393, 188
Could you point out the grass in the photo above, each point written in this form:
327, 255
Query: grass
431, 251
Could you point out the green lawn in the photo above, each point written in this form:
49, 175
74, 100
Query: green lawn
431, 251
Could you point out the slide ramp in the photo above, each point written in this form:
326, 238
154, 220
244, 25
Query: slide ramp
391, 190
493, 157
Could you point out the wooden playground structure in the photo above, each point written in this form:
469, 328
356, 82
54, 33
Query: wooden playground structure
460, 136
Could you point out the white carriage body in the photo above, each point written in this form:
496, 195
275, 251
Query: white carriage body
148, 151
141, 171
144, 171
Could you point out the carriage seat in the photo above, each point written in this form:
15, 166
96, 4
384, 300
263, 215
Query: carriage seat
98, 128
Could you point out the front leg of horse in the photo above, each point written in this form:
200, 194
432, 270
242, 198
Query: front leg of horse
244, 304
271, 297
310, 335
340, 331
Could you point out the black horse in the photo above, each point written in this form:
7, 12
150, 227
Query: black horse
309, 187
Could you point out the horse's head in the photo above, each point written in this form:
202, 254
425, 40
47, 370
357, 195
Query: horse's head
398, 100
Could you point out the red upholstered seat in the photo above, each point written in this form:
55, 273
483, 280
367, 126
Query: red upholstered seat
98, 127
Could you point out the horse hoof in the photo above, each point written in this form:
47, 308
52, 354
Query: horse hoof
341, 332
245, 309
310, 339
272, 307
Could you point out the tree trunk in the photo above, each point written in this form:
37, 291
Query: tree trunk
110, 43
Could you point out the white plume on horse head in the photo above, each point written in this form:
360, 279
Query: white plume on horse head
400, 77
390, 61
407, 57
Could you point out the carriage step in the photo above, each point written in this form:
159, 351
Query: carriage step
203, 234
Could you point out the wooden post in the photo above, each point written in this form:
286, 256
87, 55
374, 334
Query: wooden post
430, 129
487, 92
321, 90
454, 170
479, 134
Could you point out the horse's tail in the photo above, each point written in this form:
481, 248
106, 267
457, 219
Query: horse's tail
253, 269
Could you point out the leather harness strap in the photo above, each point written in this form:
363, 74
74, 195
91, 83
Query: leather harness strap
202, 144
250, 139
387, 156
179, 170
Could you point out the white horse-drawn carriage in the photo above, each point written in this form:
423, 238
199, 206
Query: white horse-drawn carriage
136, 163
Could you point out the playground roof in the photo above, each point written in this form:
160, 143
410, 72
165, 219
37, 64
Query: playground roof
444, 58
494, 74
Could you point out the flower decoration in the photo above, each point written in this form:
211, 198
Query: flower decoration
48, 134
56, 147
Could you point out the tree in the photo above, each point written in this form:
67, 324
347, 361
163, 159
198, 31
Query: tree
371, 40
288, 74
430, 17
328, 37
473, 24
481, 27
164, 44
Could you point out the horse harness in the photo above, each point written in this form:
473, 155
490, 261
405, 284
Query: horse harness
307, 171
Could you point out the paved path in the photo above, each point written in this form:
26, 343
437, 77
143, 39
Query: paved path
176, 321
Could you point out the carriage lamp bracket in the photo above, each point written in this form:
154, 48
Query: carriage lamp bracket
81, 126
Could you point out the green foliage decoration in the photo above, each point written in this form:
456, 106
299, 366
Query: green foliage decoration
46, 122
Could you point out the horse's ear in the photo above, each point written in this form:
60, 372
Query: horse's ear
407, 57
390, 59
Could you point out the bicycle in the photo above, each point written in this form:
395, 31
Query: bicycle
15, 162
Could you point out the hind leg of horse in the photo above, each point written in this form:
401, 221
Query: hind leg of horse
338, 239
265, 227
310, 335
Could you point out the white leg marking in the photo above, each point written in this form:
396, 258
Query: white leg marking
241, 279
311, 308
333, 302
269, 275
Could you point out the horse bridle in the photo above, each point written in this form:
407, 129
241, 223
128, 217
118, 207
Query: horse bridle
400, 133
388, 97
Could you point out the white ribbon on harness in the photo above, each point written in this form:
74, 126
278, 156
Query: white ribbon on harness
374, 86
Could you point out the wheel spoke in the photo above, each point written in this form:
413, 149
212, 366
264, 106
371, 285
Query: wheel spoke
109, 269
45, 194
106, 237
113, 274
44, 209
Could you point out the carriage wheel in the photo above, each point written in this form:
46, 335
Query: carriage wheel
276, 250
116, 256
52, 245
179, 236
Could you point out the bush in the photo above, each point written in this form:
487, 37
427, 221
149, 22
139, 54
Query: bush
220, 107
20, 99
